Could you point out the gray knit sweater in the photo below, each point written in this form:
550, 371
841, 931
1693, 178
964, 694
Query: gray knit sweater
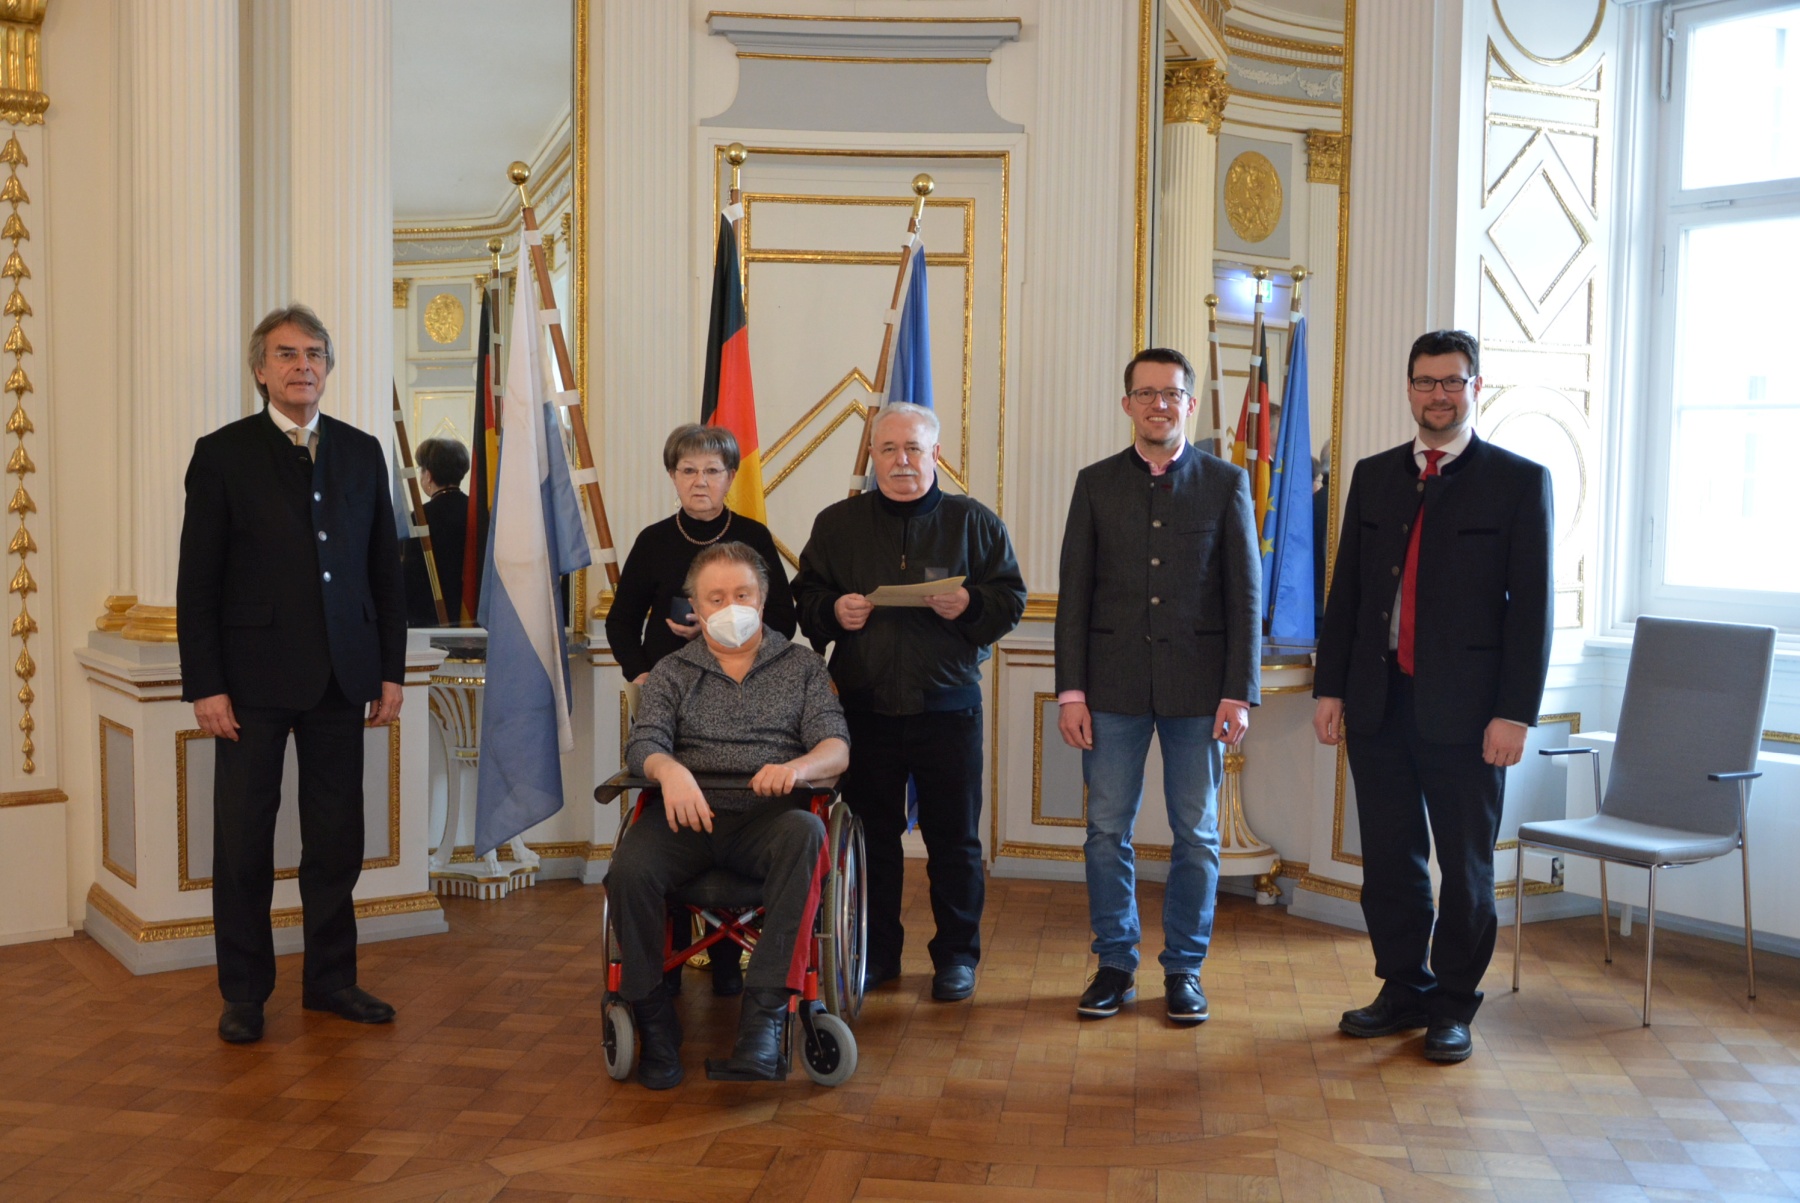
692, 710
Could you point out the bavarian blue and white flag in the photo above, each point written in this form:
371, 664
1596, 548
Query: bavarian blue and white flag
535, 537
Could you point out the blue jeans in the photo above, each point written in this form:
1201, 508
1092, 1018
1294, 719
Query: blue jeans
1114, 771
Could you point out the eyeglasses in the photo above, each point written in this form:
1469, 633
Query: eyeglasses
689, 475
1452, 384
1147, 396
288, 355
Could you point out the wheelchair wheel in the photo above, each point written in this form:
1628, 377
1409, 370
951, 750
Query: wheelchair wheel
844, 917
830, 1052
620, 1040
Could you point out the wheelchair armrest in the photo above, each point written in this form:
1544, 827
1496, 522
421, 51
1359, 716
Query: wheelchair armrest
623, 782
619, 783
1568, 751
1746, 775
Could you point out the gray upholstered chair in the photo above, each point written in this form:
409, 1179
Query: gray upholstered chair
1694, 699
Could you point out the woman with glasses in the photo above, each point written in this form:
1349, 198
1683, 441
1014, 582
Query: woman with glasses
651, 614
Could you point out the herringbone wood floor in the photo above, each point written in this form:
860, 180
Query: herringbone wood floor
491, 1084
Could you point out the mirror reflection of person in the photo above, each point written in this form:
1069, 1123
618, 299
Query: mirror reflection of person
651, 615
738, 701
442, 465
291, 618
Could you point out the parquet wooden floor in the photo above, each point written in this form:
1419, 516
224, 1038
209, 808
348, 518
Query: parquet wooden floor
491, 1083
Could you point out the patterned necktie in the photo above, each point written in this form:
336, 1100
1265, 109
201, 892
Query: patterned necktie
1409, 579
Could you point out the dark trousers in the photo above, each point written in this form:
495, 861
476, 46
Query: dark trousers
328, 741
942, 753
1408, 793
776, 841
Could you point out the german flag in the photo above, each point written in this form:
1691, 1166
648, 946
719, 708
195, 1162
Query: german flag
728, 400
484, 461
1256, 408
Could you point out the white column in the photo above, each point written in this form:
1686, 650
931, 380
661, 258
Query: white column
271, 282
1193, 109
1324, 173
340, 177
1076, 313
641, 314
185, 287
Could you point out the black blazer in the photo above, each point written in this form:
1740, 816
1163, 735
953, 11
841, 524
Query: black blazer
1481, 638
447, 518
288, 574
1159, 603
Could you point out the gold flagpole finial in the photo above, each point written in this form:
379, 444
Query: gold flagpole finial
1212, 303
922, 186
518, 173
493, 245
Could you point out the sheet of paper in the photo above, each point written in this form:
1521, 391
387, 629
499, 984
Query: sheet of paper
914, 595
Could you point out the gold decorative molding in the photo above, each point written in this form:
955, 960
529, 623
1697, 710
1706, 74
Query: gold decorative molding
1327, 155
144, 932
113, 618
19, 464
1040, 607
149, 624
401, 289
1593, 35
1140, 246
32, 797
1196, 93
1038, 817
22, 98
1253, 200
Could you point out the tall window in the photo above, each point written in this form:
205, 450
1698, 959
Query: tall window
1723, 446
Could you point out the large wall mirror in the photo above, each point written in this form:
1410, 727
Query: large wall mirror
471, 95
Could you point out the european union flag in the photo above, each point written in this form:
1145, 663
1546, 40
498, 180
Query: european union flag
1287, 531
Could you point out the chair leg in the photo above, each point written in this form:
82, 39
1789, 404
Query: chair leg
1749, 929
1649, 943
1605, 917
1518, 910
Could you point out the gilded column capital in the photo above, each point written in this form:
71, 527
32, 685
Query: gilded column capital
401, 288
22, 99
1195, 92
1327, 156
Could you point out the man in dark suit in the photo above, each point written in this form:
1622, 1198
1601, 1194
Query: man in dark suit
1433, 656
442, 465
291, 617
1158, 628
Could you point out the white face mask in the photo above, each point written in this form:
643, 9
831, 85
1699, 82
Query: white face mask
733, 626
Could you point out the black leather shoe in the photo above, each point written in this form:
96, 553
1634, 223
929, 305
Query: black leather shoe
1107, 991
1186, 1002
352, 1003
1448, 1041
762, 1028
659, 1040
1383, 1017
727, 969
241, 1023
953, 983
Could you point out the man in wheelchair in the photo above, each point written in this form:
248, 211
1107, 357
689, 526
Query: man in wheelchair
739, 700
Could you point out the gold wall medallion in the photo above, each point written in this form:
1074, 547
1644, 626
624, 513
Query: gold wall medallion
444, 318
1252, 196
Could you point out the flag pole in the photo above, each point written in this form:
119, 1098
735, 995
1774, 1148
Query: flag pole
922, 186
1212, 384
586, 475
420, 530
1252, 397
735, 154
1300, 274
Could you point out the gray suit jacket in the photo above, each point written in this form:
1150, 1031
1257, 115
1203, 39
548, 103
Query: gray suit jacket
1160, 602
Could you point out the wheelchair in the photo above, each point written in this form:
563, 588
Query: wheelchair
726, 910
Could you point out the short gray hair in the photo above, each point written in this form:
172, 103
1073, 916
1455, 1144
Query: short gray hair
694, 439
288, 315
727, 553
906, 409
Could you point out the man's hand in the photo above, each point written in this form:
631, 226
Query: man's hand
1076, 725
1230, 723
686, 632
642, 677
775, 780
1503, 744
683, 803
1328, 720
216, 717
386, 708
852, 611
949, 605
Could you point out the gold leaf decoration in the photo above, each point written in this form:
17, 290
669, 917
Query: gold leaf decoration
20, 422
15, 230
16, 342
21, 542
17, 305
18, 382
21, 502
26, 695
19, 464
22, 581
25, 667
12, 154
15, 268
14, 191
24, 624
27, 107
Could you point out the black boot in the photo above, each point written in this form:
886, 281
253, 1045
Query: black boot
762, 1032
659, 1040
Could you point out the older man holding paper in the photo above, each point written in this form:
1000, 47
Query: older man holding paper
912, 585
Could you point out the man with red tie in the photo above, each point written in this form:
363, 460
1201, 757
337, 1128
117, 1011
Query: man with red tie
1432, 658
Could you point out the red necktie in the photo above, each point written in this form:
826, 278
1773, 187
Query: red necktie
1409, 579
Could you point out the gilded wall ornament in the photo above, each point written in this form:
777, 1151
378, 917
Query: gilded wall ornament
22, 98
1195, 92
444, 319
401, 290
1327, 156
19, 464
1252, 197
